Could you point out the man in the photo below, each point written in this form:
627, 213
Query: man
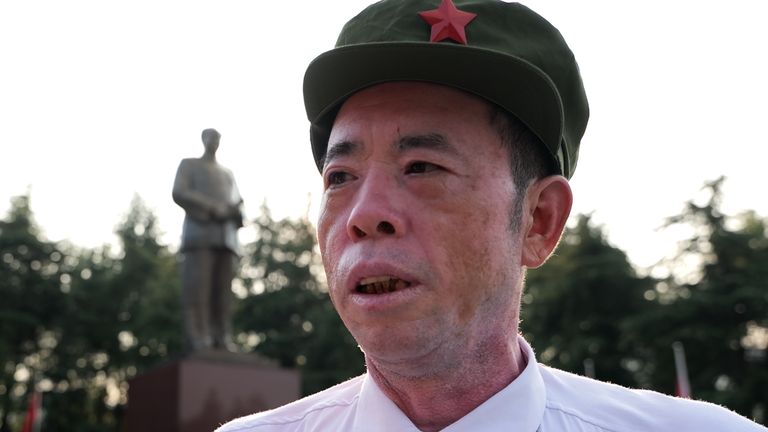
445, 135
209, 195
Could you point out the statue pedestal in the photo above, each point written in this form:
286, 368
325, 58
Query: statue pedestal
200, 392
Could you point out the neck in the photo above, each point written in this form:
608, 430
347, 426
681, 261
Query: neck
436, 401
208, 156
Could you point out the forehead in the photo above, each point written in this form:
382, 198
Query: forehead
406, 107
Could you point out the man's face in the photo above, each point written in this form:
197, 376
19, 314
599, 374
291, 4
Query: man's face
414, 227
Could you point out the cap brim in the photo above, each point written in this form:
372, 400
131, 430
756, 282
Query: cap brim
510, 82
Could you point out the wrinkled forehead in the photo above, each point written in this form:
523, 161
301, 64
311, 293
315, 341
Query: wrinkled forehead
405, 116
410, 103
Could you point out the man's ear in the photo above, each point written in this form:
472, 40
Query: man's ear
547, 206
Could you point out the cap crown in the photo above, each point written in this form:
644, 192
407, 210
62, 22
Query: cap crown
513, 57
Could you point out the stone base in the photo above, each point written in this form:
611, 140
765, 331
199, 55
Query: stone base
200, 392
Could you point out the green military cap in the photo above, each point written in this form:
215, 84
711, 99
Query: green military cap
502, 52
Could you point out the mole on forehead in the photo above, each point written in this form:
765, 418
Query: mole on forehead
429, 141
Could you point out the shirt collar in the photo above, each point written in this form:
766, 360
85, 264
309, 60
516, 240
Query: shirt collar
519, 406
377, 413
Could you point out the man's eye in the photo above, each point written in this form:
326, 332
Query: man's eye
337, 178
420, 167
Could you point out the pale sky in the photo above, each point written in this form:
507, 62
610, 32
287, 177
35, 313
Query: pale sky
101, 99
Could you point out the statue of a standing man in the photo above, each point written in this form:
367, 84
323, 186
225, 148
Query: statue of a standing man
209, 195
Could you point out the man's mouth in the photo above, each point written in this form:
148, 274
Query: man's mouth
381, 285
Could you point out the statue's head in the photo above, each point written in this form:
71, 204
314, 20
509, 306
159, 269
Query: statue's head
211, 140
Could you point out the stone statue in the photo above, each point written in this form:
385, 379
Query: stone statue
208, 194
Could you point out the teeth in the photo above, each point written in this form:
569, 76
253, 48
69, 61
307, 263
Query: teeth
374, 279
381, 285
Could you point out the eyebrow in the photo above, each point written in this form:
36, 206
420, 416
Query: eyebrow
339, 149
430, 141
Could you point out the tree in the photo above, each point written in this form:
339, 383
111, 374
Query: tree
78, 323
285, 312
717, 307
122, 317
148, 283
34, 278
576, 308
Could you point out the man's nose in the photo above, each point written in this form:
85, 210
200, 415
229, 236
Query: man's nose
378, 210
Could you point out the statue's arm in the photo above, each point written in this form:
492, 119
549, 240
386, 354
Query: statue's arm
193, 202
237, 209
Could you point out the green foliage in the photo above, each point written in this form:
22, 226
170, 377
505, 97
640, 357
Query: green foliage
587, 303
717, 309
576, 307
285, 313
32, 276
79, 323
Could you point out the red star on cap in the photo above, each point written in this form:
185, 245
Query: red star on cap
447, 22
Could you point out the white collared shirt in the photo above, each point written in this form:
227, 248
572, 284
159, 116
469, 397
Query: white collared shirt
540, 399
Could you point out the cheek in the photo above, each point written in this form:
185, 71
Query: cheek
331, 234
469, 267
333, 274
331, 213
479, 258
